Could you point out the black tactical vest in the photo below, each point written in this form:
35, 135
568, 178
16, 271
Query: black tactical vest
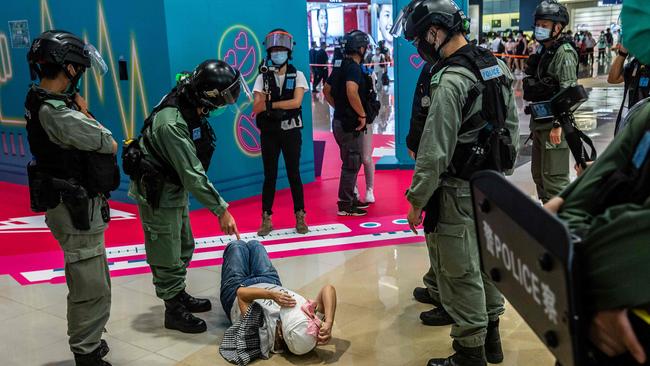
421, 104
97, 173
271, 120
199, 128
539, 85
493, 140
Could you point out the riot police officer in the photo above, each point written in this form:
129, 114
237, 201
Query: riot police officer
176, 147
70, 177
471, 126
553, 67
348, 90
605, 207
279, 90
419, 111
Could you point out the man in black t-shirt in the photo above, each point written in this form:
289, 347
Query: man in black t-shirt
345, 90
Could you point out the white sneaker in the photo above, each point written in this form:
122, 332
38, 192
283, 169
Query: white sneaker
370, 196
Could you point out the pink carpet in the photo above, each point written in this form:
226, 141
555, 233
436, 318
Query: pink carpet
29, 253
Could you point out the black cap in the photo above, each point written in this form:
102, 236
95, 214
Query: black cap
354, 40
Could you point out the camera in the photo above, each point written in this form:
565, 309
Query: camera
567, 101
266, 66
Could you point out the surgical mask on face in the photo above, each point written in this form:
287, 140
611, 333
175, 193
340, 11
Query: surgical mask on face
428, 50
542, 34
279, 57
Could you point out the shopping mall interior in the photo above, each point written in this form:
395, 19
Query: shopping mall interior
373, 260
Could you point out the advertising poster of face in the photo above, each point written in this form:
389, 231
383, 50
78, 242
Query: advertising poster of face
384, 24
326, 24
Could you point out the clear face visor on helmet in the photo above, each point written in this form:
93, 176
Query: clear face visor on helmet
96, 61
279, 39
398, 25
237, 96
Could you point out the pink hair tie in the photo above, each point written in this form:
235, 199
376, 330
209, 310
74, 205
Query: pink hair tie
309, 308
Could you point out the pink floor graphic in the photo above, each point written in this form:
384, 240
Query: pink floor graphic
29, 253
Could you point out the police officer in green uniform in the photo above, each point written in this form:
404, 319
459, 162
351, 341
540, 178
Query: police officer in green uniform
176, 145
472, 125
608, 207
73, 170
554, 66
419, 111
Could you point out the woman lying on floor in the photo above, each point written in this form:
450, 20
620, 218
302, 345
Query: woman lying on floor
268, 318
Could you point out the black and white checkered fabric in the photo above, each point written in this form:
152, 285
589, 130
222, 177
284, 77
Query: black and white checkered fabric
241, 342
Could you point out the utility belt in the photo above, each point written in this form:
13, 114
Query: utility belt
493, 151
47, 192
271, 119
147, 173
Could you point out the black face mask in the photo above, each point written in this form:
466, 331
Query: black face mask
428, 52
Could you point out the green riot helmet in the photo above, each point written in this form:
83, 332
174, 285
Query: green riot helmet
62, 48
553, 11
420, 15
214, 84
442, 13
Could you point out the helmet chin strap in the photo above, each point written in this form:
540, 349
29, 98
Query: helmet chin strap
72, 88
448, 38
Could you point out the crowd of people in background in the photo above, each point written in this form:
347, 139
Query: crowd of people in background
514, 46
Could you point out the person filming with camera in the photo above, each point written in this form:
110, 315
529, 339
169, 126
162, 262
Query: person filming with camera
278, 90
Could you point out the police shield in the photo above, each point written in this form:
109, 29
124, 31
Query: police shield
529, 255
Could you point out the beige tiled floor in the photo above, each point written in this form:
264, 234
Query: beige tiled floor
377, 319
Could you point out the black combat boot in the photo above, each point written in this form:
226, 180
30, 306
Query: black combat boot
436, 317
421, 294
92, 359
193, 304
103, 349
493, 351
464, 356
179, 318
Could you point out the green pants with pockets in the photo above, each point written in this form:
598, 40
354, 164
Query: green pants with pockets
549, 165
169, 245
89, 289
430, 278
469, 297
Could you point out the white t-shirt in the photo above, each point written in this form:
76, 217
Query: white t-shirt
271, 315
301, 82
495, 44
376, 59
